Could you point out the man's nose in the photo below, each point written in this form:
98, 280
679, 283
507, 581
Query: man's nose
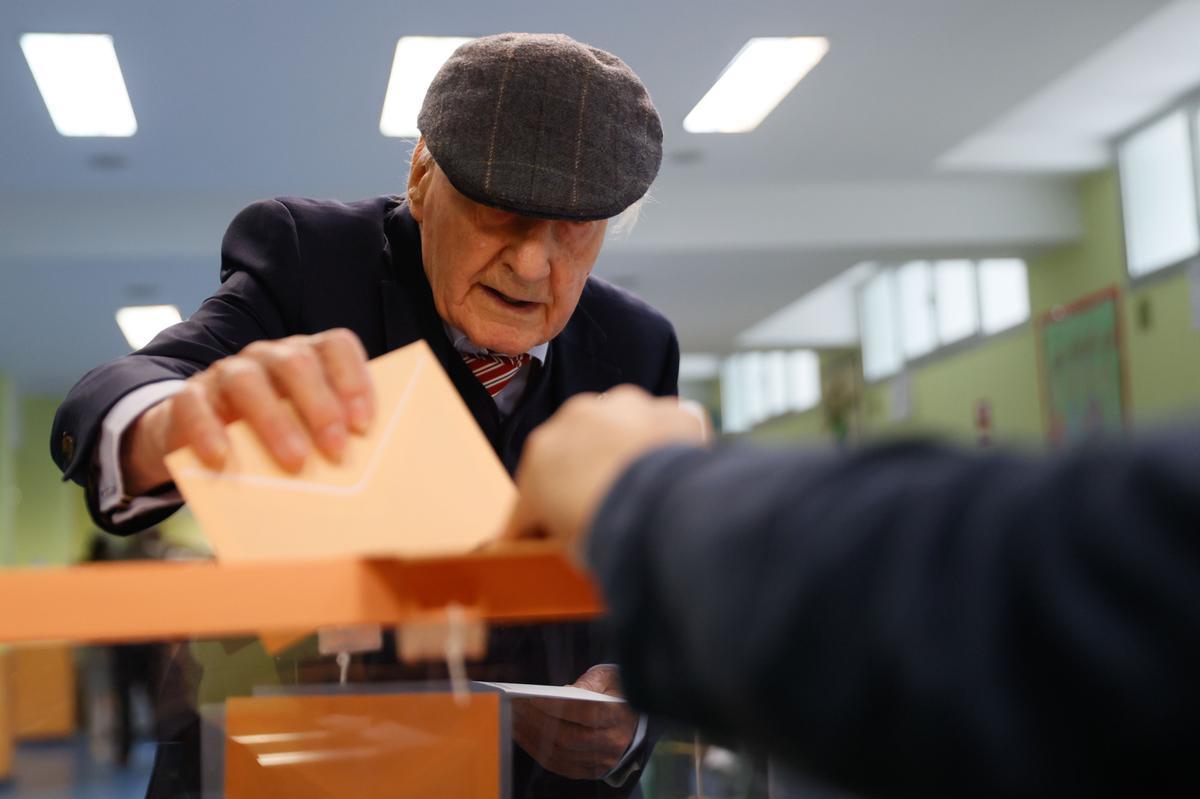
530, 254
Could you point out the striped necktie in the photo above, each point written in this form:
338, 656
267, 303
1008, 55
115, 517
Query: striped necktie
495, 371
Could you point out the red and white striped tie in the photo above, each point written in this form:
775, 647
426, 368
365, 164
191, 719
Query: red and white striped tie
495, 371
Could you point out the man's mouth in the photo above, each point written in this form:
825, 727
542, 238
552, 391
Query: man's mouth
512, 302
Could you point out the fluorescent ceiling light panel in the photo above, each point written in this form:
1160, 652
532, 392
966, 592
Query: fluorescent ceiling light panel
417, 60
757, 79
141, 323
81, 83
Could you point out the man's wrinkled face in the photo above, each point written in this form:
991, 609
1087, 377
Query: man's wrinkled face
510, 282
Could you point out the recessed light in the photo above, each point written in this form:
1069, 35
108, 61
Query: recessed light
416, 63
756, 80
81, 83
106, 161
687, 156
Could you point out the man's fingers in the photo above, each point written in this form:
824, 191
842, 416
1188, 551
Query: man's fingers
197, 425
345, 364
522, 522
560, 734
586, 714
246, 387
299, 374
698, 412
541, 746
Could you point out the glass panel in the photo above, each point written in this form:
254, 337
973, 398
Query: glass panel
916, 308
1003, 293
877, 315
1158, 196
804, 380
775, 384
957, 305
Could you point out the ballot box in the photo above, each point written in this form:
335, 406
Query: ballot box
365, 741
357, 677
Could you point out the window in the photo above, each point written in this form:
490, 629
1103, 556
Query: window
917, 334
804, 380
880, 347
955, 297
1003, 294
909, 311
1158, 195
756, 386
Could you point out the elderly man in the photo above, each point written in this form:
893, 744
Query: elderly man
530, 144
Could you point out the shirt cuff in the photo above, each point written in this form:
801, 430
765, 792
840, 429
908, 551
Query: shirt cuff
619, 774
110, 483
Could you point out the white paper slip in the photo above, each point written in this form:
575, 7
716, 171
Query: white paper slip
525, 691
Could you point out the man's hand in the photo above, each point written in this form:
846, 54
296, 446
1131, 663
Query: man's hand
324, 377
572, 460
577, 740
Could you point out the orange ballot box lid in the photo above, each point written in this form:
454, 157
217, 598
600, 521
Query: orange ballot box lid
147, 600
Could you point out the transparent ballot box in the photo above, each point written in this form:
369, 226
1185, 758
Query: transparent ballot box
394, 740
444, 677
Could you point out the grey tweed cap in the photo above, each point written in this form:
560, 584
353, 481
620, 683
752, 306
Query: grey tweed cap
542, 125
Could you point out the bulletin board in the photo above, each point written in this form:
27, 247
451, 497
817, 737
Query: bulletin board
1082, 359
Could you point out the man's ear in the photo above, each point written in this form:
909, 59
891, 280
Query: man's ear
419, 176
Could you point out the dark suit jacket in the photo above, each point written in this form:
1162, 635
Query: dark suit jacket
295, 266
911, 620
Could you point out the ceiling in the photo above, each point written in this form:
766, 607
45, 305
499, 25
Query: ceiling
237, 101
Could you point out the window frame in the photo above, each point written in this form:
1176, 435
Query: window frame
940, 350
1190, 107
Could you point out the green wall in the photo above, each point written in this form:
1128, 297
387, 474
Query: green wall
1162, 345
808, 426
1164, 354
945, 392
1162, 348
43, 521
47, 522
8, 480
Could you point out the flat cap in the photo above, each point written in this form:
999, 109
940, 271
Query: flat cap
542, 125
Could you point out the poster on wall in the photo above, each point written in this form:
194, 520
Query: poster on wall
1083, 371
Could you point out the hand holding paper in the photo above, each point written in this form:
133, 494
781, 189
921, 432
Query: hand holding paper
323, 377
581, 740
422, 480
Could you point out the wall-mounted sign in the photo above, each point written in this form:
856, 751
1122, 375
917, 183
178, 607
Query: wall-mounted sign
1083, 372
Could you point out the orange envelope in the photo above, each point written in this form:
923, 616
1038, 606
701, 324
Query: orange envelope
423, 481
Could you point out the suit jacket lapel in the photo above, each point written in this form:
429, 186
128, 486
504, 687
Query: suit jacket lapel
579, 361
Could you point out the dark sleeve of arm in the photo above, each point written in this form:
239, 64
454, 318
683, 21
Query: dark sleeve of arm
915, 621
258, 299
668, 384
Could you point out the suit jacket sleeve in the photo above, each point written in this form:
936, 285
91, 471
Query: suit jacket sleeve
668, 384
916, 621
259, 298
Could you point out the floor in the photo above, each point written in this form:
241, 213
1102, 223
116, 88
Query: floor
64, 770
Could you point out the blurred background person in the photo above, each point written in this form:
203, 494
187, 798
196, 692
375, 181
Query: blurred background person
136, 669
